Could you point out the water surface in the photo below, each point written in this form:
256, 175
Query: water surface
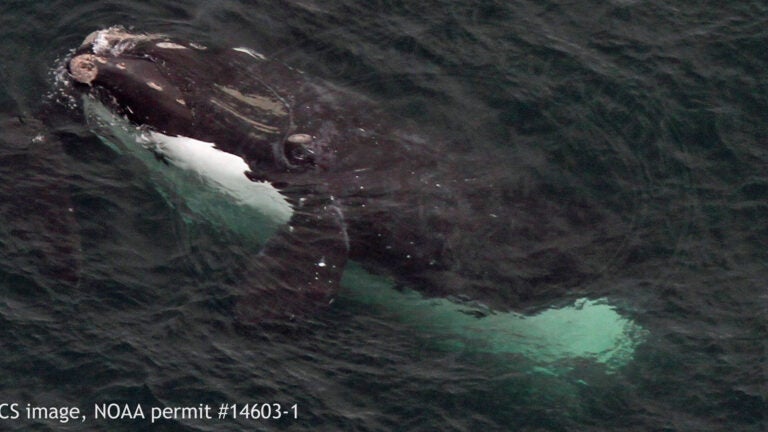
629, 136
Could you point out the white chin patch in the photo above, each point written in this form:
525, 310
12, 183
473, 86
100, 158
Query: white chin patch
217, 170
221, 170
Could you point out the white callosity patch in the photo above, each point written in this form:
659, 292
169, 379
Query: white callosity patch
219, 171
170, 45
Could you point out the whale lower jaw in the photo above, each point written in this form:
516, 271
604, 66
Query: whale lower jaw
191, 161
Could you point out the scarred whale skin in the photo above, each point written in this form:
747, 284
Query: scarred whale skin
357, 186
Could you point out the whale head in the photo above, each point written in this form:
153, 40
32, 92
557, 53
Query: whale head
181, 88
214, 127
119, 70
198, 109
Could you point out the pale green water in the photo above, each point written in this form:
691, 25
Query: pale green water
588, 329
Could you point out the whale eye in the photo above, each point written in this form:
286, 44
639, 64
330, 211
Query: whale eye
298, 149
301, 154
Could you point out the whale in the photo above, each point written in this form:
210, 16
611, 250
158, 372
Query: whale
334, 192
325, 175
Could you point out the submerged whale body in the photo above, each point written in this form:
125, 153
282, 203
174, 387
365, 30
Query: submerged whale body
319, 166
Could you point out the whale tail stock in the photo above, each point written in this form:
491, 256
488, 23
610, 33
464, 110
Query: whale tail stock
299, 270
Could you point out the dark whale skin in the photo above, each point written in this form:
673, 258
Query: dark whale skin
369, 189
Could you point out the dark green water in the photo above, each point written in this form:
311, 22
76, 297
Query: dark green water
628, 136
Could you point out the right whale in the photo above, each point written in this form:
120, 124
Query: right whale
328, 174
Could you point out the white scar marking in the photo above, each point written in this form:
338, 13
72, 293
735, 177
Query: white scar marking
257, 125
255, 54
154, 86
257, 101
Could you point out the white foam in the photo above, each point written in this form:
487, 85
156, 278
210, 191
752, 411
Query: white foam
101, 43
114, 40
111, 42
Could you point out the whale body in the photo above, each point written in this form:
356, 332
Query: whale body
317, 176
329, 176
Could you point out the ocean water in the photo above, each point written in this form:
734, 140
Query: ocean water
628, 135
